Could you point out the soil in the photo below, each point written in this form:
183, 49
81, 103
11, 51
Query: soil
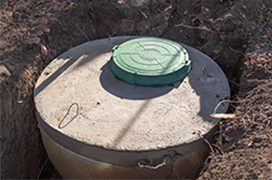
234, 33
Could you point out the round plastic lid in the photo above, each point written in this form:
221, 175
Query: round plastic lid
150, 62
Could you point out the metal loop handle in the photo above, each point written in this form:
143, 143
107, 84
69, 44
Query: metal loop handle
152, 166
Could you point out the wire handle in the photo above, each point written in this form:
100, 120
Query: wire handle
149, 166
60, 126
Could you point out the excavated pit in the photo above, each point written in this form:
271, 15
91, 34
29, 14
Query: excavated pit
98, 20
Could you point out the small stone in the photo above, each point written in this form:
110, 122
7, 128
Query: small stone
4, 73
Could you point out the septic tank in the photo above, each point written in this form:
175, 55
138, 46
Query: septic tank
129, 107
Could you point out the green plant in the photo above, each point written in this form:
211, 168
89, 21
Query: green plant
45, 3
259, 35
259, 32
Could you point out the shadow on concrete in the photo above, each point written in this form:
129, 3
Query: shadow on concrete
72, 58
125, 130
209, 82
87, 52
127, 91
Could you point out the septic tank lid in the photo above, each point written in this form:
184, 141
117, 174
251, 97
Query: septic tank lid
150, 62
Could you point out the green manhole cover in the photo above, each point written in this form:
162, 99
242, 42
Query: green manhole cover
150, 62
